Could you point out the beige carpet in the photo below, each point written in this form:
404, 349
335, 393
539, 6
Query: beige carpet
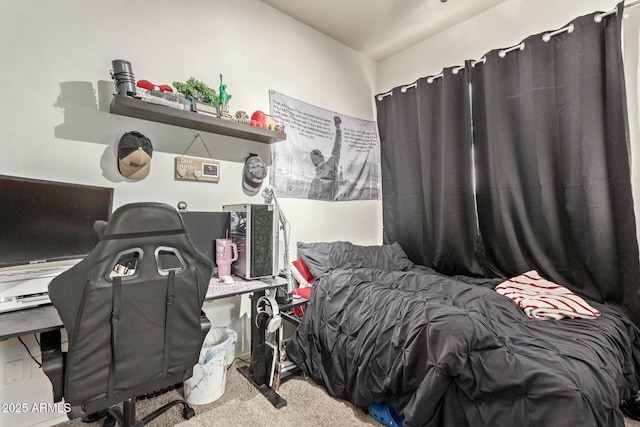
243, 405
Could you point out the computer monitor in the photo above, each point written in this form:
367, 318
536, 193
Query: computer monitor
44, 221
204, 228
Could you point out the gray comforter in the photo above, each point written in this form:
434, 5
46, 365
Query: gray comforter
452, 352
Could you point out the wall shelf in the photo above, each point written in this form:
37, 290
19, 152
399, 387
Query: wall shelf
132, 107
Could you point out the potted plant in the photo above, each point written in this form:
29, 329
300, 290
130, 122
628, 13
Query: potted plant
203, 98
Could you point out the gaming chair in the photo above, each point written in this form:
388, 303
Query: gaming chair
133, 314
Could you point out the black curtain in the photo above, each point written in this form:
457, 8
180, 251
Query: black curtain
427, 172
552, 161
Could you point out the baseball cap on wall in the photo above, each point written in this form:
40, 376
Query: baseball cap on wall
134, 155
254, 172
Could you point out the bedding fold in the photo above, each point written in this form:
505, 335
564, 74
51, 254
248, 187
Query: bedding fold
543, 299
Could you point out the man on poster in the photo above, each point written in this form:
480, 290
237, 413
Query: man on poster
325, 185
349, 171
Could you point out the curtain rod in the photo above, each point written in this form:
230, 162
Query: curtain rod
546, 37
598, 18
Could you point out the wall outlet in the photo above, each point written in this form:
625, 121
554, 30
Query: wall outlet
13, 371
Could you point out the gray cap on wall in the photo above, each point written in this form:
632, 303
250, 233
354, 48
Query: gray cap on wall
254, 172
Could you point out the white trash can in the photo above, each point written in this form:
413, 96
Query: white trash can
210, 374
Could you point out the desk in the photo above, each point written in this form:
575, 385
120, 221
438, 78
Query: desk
29, 321
257, 370
44, 320
218, 289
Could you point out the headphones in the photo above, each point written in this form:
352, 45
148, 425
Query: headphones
268, 319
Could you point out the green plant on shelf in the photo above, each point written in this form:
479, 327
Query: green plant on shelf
198, 90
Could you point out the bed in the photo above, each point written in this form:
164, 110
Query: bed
451, 351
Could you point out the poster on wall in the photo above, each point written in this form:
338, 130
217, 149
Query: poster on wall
326, 156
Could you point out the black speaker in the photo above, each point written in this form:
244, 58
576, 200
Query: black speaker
204, 228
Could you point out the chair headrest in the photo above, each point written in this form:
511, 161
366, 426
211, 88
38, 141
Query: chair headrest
142, 218
99, 226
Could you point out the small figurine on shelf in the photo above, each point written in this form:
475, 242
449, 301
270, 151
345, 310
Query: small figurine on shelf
242, 117
224, 97
258, 119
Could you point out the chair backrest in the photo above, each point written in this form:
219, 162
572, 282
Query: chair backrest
132, 308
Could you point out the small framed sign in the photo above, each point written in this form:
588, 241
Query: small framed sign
197, 169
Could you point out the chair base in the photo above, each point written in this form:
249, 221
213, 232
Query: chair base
127, 417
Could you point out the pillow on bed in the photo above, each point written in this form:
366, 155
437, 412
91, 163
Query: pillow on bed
321, 257
301, 274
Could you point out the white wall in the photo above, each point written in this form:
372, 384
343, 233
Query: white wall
504, 25
55, 124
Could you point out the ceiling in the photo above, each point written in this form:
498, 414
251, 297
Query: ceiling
381, 28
